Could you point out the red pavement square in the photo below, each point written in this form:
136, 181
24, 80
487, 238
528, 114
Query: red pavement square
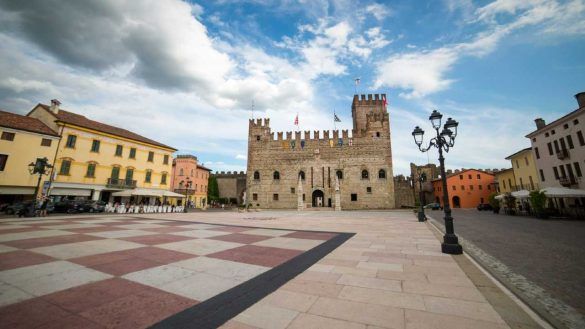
241, 238
233, 229
125, 266
88, 296
170, 229
264, 256
50, 241
160, 255
138, 310
156, 239
99, 259
94, 229
32, 313
72, 322
20, 230
311, 235
19, 258
60, 222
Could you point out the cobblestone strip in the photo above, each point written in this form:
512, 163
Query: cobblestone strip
552, 309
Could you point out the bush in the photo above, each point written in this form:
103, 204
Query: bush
538, 202
495, 203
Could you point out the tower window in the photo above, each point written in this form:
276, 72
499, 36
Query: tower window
382, 173
302, 175
276, 175
339, 174
365, 174
354, 197
256, 175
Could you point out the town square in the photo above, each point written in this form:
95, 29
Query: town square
292, 164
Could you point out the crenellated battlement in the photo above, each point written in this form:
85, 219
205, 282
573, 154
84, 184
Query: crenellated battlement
229, 174
375, 99
308, 136
260, 123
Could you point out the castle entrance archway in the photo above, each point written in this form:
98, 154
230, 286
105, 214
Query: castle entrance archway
318, 198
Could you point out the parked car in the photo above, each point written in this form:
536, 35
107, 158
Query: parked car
69, 206
94, 206
16, 207
484, 206
433, 206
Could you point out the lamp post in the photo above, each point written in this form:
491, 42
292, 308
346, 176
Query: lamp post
187, 190
444, 140
40, 167
421, 179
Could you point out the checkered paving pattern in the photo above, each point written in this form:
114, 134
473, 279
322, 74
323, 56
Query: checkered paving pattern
127, 272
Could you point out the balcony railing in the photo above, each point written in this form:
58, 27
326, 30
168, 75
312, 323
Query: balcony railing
121, 183
568, 181
563, 154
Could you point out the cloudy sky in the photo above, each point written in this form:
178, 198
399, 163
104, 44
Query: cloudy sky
187, 73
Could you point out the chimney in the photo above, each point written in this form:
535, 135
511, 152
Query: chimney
539, 123
55, 106
581, 99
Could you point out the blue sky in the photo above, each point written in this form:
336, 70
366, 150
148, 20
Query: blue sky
187, 73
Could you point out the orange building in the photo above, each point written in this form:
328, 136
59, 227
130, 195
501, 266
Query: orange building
189, 177
467, 188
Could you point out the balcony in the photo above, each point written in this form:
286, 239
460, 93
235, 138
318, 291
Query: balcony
121, 183
568, 181
563, 154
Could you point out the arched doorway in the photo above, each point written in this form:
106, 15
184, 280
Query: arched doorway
456, 202
318, 198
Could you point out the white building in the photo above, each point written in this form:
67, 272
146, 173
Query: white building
559, 149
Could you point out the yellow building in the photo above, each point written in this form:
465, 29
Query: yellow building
23, 140
525, 171
94, 160
506, 182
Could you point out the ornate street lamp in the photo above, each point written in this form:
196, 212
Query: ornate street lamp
40, 167
187, 190
422, 177
444, 140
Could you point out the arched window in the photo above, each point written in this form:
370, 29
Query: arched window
276, 175
256, 175
365, 174
339, 174
181, 172
302, 174
382, 173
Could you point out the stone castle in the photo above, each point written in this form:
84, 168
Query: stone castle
328, 169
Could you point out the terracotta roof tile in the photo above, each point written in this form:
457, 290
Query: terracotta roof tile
21, 122
82, 121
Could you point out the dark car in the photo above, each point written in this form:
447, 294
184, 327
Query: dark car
69, 206
17, 207
94, 206
433, 206
484, 206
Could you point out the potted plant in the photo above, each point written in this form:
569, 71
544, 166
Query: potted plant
510, 202
538, 201
494, 203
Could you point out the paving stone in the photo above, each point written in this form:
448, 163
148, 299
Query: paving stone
267, 317
319, 276
313, 288
379, 315
222, 268
30, 314
31, 234
442, 290
289, 243
20, 258
310, 321
368, 282
200, 233
200, 246
422, 320
200, 286
10, 295
290, 300
466, 309
160, 275
382, 297
380, 266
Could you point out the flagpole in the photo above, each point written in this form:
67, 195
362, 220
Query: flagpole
334, 124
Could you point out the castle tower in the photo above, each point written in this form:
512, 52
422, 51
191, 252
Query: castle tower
361, 107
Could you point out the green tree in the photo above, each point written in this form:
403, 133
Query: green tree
212, 189
493, 201
538, 201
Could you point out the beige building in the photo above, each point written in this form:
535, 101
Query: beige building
23, 140
191, 179
301, 170
505, 181
559, 148
94, 160
525, 172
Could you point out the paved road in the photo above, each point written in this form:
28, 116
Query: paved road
551, 253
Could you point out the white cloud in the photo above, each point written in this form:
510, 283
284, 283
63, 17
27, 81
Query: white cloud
379, 11
241, 157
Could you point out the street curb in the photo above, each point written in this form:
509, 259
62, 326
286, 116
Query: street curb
554, 311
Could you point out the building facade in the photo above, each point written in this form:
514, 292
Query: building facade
94, 160
467, 188
22, 141
431, 172
525, 172
403, 192
303, 171
231, 185
190, 178
505, 181
559, 148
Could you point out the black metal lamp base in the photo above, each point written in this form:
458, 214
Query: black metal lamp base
421, 216
451, 249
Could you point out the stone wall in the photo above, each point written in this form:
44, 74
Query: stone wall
279, 161
403, 192
231, 185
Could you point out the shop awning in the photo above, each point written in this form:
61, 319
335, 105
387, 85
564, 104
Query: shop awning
140, 192
563, 192
522, 194
70, 191
20, 190
171, 194
499, 197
